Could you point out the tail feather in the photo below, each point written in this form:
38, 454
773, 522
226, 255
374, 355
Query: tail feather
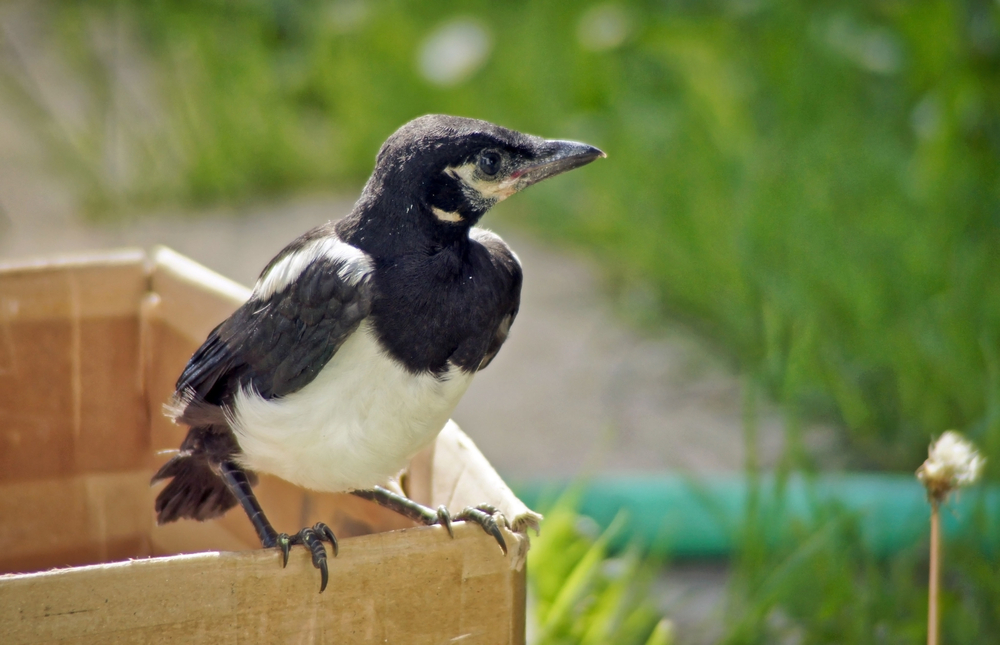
194, 491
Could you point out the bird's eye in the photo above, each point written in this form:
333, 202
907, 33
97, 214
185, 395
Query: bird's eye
489, 163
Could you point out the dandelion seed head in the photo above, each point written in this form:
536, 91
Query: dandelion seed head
952, 462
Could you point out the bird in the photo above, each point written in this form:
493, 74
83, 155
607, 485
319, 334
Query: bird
361, 335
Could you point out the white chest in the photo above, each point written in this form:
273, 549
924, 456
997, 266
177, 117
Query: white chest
354, 426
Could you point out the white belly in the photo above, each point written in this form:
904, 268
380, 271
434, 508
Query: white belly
354, 426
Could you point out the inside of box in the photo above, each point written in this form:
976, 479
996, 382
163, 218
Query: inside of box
90, 348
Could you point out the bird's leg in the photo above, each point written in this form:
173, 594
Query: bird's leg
484, 515
239, 485
312, 538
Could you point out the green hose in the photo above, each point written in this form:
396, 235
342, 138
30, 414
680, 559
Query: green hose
688, 517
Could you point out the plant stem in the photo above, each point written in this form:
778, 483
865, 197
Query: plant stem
935, 575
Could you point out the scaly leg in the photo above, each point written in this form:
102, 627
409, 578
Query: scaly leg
312, 538
484, 515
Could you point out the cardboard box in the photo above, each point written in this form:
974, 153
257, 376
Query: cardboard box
89, 349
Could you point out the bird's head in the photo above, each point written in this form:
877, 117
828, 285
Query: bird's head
442, 173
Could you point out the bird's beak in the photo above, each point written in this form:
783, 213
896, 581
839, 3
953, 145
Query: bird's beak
556, 157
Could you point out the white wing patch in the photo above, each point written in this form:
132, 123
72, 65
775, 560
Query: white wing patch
355, 265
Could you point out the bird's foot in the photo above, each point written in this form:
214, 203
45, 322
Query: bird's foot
312, 539
488, 517
485, 515
239, 484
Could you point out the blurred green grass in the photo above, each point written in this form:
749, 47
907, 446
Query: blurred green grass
819, 583
583, 595
814, 186
794, 577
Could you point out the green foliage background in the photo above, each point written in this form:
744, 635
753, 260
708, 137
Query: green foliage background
584, 596
813, 185
816, 580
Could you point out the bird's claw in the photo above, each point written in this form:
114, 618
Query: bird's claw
444, 519
486, 515
285, 544
312, 539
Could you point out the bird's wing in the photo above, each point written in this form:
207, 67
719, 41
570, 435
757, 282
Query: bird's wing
505, 259
306, 304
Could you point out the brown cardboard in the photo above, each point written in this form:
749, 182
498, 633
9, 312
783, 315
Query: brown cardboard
89, 349
70, 392
413, 586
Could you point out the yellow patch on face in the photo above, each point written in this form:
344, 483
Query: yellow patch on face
446, 216
488, 188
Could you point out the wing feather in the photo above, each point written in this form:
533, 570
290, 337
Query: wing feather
278, 344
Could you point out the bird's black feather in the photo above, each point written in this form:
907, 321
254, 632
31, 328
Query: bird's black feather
455, 323
195, 490
276, 345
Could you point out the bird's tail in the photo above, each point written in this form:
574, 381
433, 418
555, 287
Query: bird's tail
195, 491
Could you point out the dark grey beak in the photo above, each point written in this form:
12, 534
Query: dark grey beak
557, 157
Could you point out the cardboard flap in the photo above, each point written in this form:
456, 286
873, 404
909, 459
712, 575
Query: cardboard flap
192, 298
453, 473
71, 396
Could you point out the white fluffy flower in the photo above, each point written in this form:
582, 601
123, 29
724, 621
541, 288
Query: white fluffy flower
952, 462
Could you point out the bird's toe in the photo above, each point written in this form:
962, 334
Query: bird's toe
314, 542
488, 517
312, 539
326, 533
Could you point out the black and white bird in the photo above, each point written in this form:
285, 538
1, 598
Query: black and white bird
361, 336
